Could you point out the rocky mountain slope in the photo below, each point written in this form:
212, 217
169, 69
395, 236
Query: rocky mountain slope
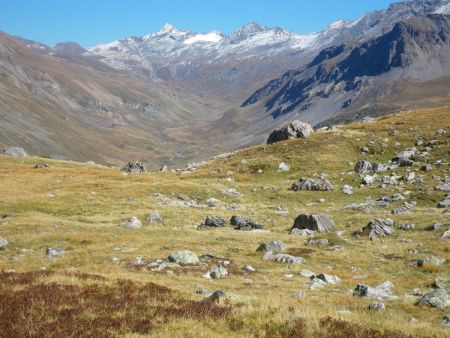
176, 96
346, 78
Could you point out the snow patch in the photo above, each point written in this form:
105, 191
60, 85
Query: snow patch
208, 37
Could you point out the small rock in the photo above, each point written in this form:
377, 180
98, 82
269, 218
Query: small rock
213, 222
183, 257
434, 226
306, 273
41, 166
302, 232
249, 268
329, 279
446, 234
132, 223
213, 203
54, 251
154, 217
347, 190
382, 291
379, 228
245, 223
271, 246
432, 260
134, 168
407, 226
283, 167
218, 272
321, 242
443, 187
283, 258
446, 320
442, 283
377, 306
3, 242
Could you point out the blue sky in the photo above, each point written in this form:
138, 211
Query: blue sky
90, 22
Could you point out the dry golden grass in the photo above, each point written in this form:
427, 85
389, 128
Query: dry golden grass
77, 207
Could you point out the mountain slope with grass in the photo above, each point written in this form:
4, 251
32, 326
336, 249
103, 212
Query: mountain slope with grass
80, 211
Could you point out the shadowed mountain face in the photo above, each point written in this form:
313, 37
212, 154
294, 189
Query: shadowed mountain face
415, 49
176, 96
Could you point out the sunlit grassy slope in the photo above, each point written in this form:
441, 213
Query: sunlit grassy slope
78, 207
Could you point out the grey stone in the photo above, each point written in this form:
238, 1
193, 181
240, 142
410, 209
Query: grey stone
442, 283
381, 291
363, 166
321, 242
446, 320
312, 184
329, 279
54, 251
231, 192
283, 167
437, 298
291, 130
154, 217
183, 257
379, 228
132, 223
15, 152
319, 223
434, 226
443, 187
306, 273
302, 232
3, 242
377, 306
283, 258
134, 168
215, 298
446, 234
245, 223
426, 167
249, 268
445, 203
218, 272
214, 222
432, 260
347, 190
271, 246
41, 166
407, 226
368, 179
213, 203
406, 155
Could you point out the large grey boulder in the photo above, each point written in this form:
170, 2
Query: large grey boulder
3, 242
271, 246
312, 184
245, 223
183, 257
134, 168
132, 223
381, 291
319, 223
437, 298
291, 130
15, 152
379, 228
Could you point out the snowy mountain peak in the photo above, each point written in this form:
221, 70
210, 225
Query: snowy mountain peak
211, 37
168, 28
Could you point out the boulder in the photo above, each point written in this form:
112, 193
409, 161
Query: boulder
437, 298
291, 130
314, 222
405, 156
363, 166
442, 283
183, 257
41, 166
245, 223
134, 168
271, 246
132, 223
446, 320
432, 260
379, 228
407, 226
445, 203
434, 226
213, 203
302, 232
382, 291
329, 279
312, 184
15, 152
446, 234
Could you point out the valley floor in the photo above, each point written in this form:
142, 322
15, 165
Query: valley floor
99, 287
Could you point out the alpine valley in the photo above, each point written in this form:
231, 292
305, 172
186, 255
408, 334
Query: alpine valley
177, 96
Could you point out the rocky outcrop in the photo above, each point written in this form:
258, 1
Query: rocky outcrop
379, 228
291, 130
213, 222
15, 152
183, 257
245, 223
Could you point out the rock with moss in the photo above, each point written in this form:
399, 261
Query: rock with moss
183, 257
312, 184
438, 298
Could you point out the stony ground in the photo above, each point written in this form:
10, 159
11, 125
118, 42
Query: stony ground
74, 264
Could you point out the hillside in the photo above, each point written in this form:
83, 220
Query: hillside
78, 208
